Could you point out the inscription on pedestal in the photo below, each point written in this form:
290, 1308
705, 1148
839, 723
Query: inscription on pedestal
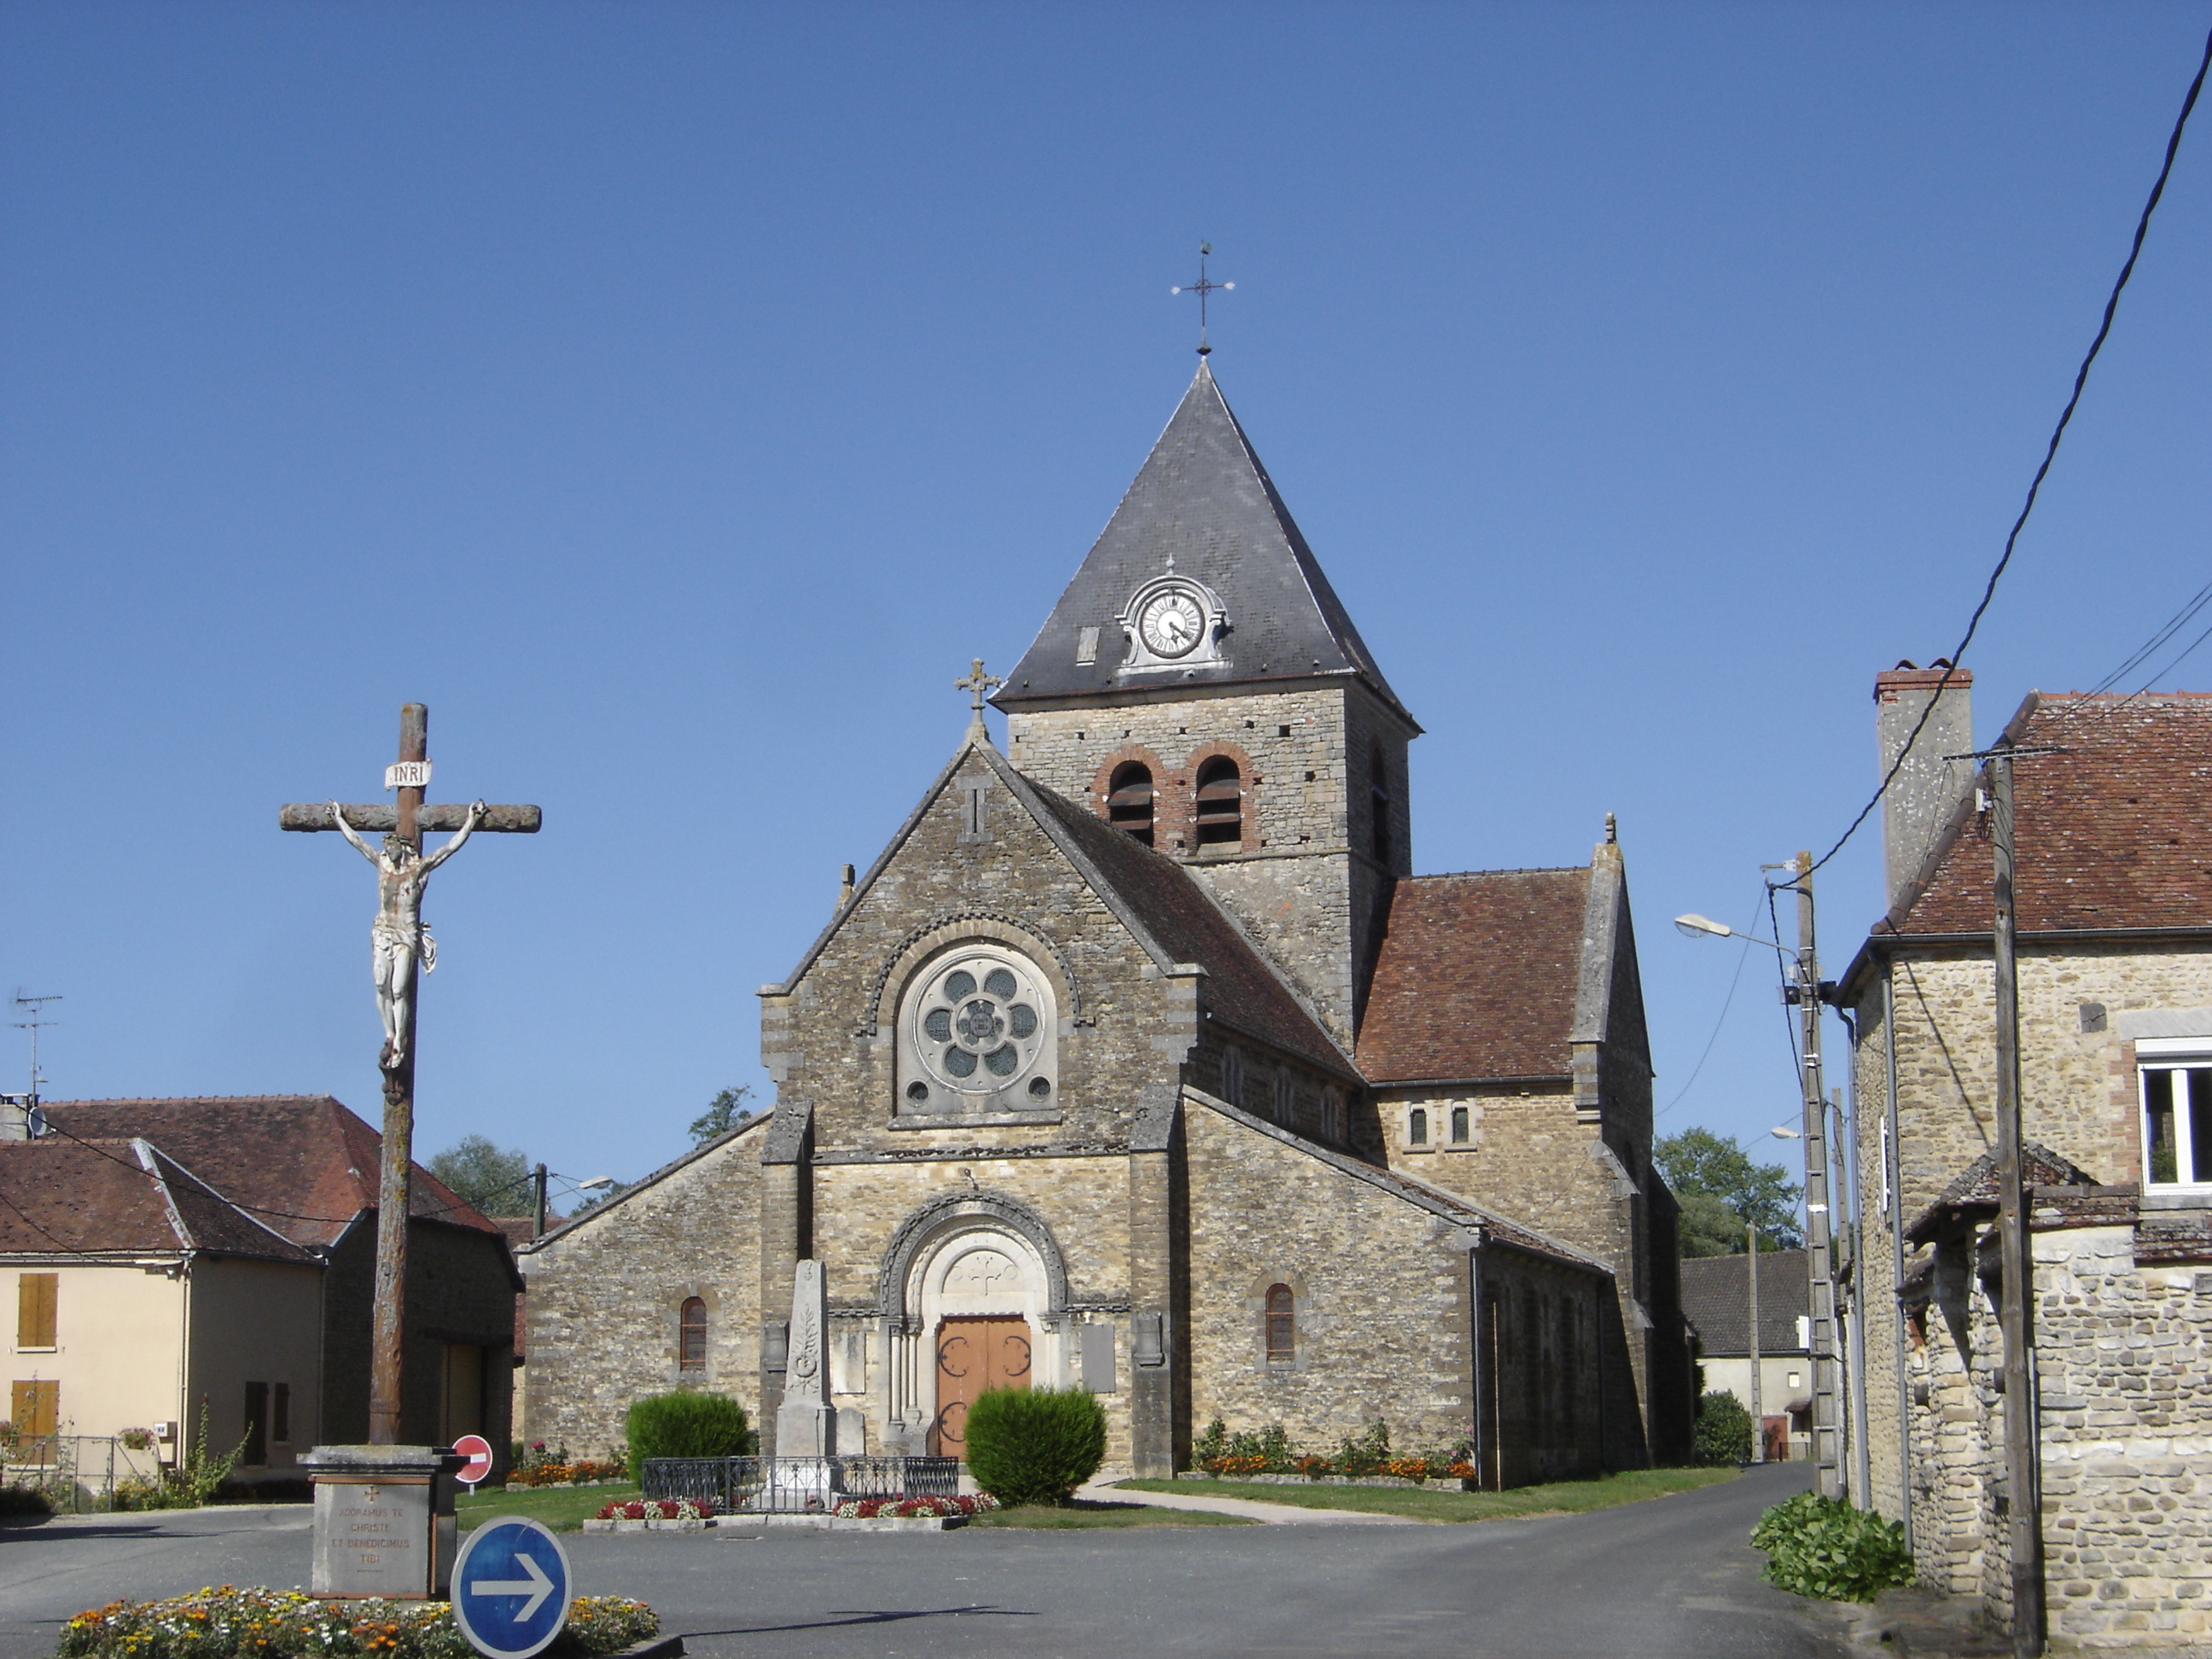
384, 1520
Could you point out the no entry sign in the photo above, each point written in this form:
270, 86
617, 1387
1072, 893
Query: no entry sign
478, 1450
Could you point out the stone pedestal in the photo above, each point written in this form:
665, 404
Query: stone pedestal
384, 1520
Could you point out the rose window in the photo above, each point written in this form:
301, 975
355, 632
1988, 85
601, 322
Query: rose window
978, 1023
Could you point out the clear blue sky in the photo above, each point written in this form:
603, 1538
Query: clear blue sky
675, 397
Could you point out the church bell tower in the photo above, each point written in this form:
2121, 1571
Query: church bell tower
1199, 686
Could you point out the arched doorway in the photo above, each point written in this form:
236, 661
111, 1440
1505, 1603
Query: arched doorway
982, 1299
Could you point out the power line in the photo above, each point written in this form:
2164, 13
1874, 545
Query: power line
1735, 978
2050, 455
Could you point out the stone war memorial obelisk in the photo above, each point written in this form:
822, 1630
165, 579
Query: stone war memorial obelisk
384, 1512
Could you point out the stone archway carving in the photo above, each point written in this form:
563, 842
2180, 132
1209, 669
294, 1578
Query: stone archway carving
978, 1208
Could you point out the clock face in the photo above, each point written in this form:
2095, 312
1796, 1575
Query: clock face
1172, 624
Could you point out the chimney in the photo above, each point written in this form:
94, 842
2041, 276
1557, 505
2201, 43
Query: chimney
1927, 786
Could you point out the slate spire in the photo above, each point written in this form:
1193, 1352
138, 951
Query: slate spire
1203, 509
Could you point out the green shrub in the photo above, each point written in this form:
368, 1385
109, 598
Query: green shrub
1723, 1435
24, 1500
1035, 1445
686, 1424
1822, 1546
192, 1483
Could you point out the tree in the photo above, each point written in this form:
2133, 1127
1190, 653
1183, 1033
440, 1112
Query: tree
723, 1113
497, 1182
1720, 1188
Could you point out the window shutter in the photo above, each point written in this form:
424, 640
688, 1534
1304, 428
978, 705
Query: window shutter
35, 1300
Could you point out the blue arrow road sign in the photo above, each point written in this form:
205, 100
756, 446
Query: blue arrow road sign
511, 1588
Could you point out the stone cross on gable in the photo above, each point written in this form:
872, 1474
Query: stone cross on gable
978, 684
401, 949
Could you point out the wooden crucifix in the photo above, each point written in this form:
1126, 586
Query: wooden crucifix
402, 949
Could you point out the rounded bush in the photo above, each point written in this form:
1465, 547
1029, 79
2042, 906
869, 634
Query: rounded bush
1035, 1445
1723, 1435
686, 1424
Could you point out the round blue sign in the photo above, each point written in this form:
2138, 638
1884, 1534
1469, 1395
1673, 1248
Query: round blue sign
511, 1588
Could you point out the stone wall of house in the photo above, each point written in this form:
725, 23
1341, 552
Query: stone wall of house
2121, 1342
605, 1293
1382, 1290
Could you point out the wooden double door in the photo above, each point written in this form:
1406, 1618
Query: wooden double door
974, 1353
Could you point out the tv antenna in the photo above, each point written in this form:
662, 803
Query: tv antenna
36, 1023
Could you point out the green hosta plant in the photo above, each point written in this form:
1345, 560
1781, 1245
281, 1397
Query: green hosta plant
1822, 1546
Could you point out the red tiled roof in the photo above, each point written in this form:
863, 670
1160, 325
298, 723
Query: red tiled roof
99, 1196
1476, 977
303, 1163
2112, 833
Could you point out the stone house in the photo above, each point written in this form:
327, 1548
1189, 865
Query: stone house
140, 1292
304, 1167
1141, 1060
2114, 907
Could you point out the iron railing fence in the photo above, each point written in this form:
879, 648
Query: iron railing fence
78, 1473
798, 1485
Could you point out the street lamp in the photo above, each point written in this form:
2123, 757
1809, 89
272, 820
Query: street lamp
1806, 992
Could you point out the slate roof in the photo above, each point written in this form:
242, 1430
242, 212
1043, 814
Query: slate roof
1203, 497
1717, 1299
2112, 833
1476, 977
122, 1197
304, 1163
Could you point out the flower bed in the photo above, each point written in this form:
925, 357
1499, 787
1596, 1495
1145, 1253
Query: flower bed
909, 1508
229, 1623
583, 1472
659, 1508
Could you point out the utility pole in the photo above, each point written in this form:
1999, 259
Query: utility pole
1819, 1266
2023, 1477
537, 1179
1758, 1402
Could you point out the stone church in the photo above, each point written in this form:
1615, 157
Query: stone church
1141, 1060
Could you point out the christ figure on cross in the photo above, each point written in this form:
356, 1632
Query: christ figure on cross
397, 939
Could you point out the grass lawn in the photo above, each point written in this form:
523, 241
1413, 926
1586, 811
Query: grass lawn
1085, 1512
1561, 1498
561, 1509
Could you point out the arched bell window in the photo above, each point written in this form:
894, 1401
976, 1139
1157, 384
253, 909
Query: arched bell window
1220, 802
1282, 1325
1129, 800
691, 1326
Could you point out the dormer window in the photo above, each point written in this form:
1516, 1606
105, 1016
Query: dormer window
1220, 802
1129, 800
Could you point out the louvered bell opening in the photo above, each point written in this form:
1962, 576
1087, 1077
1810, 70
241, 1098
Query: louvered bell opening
1129, 806
1220, 802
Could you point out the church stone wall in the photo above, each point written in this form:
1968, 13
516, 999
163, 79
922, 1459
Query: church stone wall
606, 1294
1304, 881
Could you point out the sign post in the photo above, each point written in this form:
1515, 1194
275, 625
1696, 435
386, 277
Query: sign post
511, 1589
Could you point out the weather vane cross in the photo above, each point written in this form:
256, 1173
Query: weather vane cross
1204, 286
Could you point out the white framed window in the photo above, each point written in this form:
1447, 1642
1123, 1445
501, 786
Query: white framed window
2175, 1075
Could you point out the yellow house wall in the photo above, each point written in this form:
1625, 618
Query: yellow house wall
119, 1347
258, 1322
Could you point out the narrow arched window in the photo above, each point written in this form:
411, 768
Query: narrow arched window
1282, 1325
1417, 1127
1459, 1125
1378, 798
1220, 802
692, 1326
1129, 800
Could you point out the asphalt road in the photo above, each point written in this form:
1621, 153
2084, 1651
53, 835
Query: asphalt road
1672, 1577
